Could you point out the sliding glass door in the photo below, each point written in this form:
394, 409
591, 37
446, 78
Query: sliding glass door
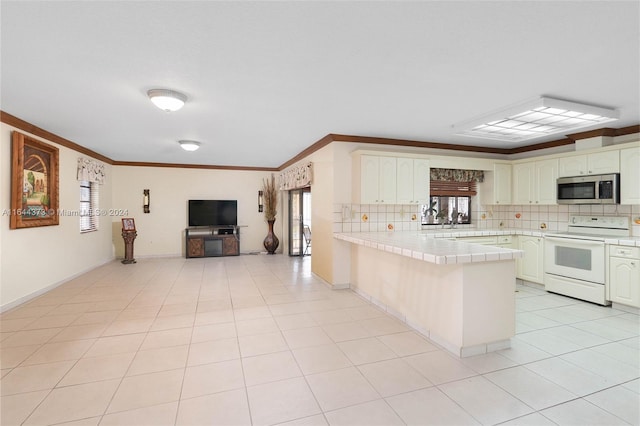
300, 222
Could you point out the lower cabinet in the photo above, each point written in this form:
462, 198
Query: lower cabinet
530, 266
624, 275
211, 242
195, 247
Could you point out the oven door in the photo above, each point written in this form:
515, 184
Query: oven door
581, 259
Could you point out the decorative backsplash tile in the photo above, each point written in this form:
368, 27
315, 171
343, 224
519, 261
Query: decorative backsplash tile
397, 217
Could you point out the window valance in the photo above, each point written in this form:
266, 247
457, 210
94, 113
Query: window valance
456, 175
90, 170
297, 177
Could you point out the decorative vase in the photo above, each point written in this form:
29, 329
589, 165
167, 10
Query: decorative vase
271, 242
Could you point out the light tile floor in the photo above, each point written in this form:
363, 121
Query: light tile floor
260, 340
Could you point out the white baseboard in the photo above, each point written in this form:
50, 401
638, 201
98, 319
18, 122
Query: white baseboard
30, 296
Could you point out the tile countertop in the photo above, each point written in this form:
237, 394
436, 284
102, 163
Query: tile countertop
432, 247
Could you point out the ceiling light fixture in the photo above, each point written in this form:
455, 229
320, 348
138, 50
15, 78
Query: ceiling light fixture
189, 145
167, 100
533, 119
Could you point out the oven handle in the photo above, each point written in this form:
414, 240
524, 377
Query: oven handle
575, 241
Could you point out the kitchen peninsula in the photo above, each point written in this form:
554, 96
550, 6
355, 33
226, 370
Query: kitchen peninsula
460, 295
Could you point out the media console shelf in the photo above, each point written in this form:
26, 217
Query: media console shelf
212, 241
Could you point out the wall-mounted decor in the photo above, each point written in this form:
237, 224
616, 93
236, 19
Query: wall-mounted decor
34, 183
146, 202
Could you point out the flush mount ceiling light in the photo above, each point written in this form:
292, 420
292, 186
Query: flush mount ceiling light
189, 145
167, 100
533, 119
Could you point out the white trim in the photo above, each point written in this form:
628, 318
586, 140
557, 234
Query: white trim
30, 296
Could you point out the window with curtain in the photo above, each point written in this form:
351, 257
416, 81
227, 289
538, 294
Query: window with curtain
450, 196
89, 196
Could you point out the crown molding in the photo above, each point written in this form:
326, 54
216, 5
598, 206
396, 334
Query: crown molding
321, 143
25, 126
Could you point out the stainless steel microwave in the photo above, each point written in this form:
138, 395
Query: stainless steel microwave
595, 189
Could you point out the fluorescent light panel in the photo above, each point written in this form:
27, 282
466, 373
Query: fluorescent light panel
534, 119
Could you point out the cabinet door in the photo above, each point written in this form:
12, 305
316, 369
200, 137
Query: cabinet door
230, 246
421, 181
630, 176
575, 165
387, 180
370, 178
195, 247
530, 265
404, 183
624, 281
603, 162
546, 176
502, 183
523, 183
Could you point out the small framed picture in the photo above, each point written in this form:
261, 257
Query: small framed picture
128, 224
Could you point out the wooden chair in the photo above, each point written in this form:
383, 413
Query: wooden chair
306, 232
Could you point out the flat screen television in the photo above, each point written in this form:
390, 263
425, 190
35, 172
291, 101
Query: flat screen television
213, 212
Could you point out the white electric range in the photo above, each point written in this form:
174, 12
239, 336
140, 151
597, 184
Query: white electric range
574, 261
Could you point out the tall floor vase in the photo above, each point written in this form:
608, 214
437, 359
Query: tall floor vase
271, 242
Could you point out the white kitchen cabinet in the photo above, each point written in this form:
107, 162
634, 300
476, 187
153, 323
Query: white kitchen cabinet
413, 180
523, 183
530, 266
630, 176
535, 182
624, 275
377, 180
546, 185
496, 188
589, 164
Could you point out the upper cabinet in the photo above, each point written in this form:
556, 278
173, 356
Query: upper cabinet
589, 164
377, 180
630, 176
496, 188
546, 181
534, 182
381, 179
413, 178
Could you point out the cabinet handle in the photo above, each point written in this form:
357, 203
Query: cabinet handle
536, 202
590, 172
633, 264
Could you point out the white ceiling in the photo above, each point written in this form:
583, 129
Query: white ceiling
267, 79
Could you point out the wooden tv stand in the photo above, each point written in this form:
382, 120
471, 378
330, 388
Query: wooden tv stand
212, 241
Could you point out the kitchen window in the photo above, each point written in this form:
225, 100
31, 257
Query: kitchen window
443, 209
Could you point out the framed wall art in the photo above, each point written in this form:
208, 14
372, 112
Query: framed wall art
34, 182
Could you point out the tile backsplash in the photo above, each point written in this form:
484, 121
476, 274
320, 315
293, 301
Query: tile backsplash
554, 217
379, 218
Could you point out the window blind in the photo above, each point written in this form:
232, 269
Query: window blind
441, 188
89, 205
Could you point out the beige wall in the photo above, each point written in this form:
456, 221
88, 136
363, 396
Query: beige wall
161, 232
33, 260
